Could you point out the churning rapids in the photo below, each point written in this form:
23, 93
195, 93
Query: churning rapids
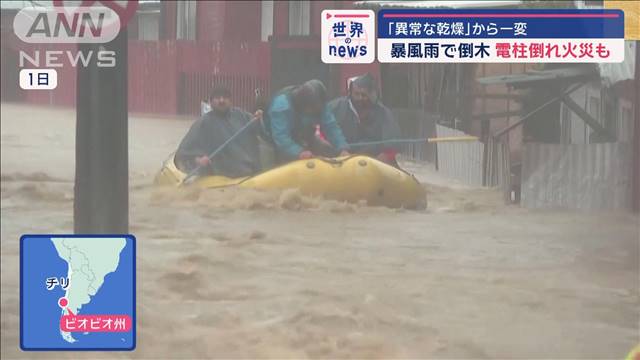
248, 274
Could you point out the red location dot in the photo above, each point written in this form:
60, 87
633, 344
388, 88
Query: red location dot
63, 302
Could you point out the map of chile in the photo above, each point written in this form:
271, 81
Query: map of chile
348, 38
77, 292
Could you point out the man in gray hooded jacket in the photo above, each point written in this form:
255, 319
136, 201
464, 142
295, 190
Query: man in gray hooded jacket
238, 158
363, 118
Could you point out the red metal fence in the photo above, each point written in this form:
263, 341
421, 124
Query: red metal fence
165, 77
152, 77
195, 87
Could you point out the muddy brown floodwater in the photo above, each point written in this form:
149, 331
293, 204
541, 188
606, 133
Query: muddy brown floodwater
248, 274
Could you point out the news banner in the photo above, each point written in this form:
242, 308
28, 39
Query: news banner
475, 36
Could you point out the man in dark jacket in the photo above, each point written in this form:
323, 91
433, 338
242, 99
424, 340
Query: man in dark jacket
238, 158
363, 118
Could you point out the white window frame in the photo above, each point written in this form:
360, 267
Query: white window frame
299, 18
186, 20
266, 19
148, 26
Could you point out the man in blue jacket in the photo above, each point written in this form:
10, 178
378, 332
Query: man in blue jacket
294, 114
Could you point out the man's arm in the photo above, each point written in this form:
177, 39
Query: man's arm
332, 131
255, 117
192, 145
192, 150
281, 133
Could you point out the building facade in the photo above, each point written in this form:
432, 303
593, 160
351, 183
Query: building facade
179, 49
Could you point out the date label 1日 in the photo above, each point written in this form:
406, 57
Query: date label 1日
38, 79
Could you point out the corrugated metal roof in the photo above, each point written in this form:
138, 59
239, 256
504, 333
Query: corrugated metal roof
577, 176
460, 160
453, 4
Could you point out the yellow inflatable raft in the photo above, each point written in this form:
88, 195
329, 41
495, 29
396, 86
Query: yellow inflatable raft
352, 178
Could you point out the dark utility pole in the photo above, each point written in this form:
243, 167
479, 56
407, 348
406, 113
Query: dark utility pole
101, 202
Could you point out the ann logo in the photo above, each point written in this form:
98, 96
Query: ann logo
61, 25
77, 26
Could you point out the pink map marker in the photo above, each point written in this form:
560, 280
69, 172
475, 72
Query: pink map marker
63, 302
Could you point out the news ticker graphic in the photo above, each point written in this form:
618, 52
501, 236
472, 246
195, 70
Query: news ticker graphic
38, 79
519, 35
631, 11
67, 22
348, 36
479, 36
77, 292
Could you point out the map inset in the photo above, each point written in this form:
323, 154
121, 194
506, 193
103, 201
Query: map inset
77, 292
